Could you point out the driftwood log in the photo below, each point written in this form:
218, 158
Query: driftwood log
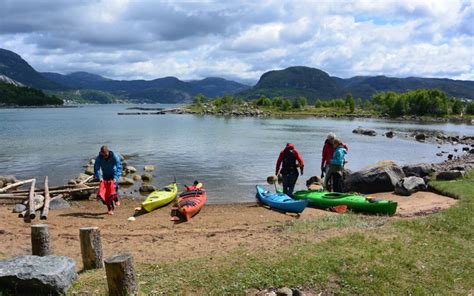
41, 190
14, 185
31, 204
38, 203
15, 195
120, 275
47, 199
91, 247
40, 240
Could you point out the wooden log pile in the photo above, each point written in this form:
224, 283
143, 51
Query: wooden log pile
38, 199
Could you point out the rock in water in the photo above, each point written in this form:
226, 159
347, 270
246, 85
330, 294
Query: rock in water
149, 168
367, 132
147, 188
35, 275
146, 177
409, 185
381, 177
125, 181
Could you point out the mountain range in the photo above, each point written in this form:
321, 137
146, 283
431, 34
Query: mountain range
291, 82
316, 84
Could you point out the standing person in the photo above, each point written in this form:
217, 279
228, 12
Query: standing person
328, 151
289, 171
336, 166
108, 169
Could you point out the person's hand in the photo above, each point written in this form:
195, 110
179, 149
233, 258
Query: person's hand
301, 169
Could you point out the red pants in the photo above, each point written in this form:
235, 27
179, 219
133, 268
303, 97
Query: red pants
108, 193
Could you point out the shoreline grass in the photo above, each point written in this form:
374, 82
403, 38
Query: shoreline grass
424, 255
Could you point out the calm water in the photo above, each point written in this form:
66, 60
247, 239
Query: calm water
230, 155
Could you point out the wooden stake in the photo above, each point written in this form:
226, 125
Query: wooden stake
120, 275
14, 185
31, 204
91, 247
47, 198
40, 240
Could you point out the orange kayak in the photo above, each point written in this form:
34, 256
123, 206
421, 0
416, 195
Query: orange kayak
191, 201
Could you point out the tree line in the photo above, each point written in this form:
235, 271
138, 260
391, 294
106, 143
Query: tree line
12, 95
418, 102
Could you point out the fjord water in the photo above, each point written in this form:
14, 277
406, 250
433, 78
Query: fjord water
229, 155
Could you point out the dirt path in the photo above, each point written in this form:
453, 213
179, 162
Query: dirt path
218, 229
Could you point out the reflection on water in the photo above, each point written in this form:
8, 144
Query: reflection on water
230, 155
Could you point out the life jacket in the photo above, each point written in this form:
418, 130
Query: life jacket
289, 162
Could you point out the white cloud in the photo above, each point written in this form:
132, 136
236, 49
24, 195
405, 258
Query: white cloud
149, 39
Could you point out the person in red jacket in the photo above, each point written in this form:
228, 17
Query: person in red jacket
291, 160
328, 151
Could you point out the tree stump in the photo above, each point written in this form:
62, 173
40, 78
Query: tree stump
40, 240
91, 247
120, 275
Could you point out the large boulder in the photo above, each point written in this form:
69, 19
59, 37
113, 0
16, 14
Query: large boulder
365, 131
380, 177
35, 275
409, 185
418, 170
449, 175
146, 188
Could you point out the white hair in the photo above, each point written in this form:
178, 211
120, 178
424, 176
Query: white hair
331, 136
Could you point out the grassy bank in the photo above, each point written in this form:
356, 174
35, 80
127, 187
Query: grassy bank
362, 255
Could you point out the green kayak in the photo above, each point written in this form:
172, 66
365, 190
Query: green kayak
355, 202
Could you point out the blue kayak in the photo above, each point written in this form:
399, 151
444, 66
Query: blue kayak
280, 201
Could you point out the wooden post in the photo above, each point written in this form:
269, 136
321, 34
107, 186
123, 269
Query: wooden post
120, 275
40, 240
31, 204
91, 247
47, 198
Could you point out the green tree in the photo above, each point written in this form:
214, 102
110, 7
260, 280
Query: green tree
264, 101
277, 102
296, 104
457, 107
318, 103
286, 105
199, 99
339, 103
350, 103
303, 101
217, 101
470, 108
227, 100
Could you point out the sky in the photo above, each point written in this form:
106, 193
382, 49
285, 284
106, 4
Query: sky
241, 40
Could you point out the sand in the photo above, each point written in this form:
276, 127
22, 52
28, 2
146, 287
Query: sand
215, 231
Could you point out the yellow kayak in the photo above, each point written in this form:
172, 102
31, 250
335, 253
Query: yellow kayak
159, 198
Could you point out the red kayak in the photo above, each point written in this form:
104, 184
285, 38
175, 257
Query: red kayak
190, 202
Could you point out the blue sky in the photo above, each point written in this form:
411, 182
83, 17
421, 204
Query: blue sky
241, 40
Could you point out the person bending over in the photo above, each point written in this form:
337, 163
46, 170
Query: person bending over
108, 169
291, 160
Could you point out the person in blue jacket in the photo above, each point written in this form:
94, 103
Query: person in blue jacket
108, 167
336, 166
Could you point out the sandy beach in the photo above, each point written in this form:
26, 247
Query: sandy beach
216, 230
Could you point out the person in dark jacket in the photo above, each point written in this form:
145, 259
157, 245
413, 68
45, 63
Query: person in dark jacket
108, 169
291, 160
328, 151
336, 167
